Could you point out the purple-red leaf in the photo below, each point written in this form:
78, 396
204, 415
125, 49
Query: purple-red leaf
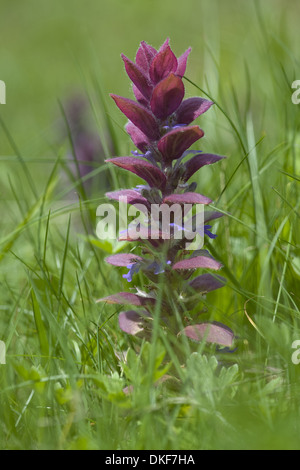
145, 170
214, 332
182, 60
198, 262
197, 162
138, 137
132, 197
192, 108
138, 115
162, 64
167, 96
187, 198
131, 322
144, 56
174, 143
123, 259
139, 96
127, 298
137, 76
207, 282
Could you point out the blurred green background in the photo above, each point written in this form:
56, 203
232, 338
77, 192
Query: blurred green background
245, 55
47, 48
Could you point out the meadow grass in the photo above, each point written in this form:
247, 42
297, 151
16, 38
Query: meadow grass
67, 361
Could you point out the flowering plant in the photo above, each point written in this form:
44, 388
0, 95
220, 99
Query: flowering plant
160, 127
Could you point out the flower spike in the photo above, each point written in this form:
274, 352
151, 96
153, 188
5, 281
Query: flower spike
160, 126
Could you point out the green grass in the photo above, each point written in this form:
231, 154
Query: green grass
67, 361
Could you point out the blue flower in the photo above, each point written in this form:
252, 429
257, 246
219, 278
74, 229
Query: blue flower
148, 155
133, 268
208, 232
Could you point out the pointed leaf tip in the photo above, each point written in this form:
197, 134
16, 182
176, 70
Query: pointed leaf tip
145, 170
182, 61
191, 108
138, 115
197, 162
144, 56
138, 77
163, 63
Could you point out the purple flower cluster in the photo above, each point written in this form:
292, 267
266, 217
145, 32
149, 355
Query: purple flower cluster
160, 126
